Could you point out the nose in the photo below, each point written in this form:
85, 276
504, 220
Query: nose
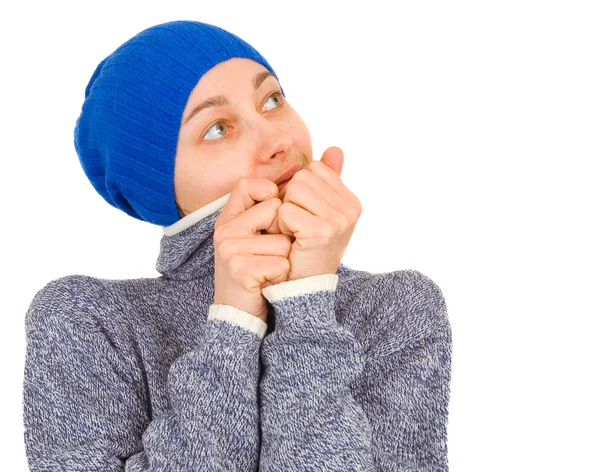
273, 141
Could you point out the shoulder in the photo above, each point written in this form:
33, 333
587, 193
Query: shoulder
410, 289
405, 305
70, 291
418, 299
87, 319
75, 300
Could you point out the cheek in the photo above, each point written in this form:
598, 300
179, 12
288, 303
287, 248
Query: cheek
303, 139
234, 168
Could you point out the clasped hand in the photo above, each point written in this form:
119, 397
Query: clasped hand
320, 212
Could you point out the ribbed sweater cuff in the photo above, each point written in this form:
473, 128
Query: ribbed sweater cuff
306, 285
238, 317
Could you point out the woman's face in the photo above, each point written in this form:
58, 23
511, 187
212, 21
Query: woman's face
246, 128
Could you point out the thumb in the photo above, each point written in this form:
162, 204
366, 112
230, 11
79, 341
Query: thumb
333, 157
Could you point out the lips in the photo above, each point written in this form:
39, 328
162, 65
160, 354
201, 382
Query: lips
288, 174
283, 184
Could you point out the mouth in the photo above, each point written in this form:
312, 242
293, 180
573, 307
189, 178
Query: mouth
287, 175
282, 184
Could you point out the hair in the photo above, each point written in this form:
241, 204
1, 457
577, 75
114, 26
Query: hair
181, 213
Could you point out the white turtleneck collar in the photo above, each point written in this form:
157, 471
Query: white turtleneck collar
195, 216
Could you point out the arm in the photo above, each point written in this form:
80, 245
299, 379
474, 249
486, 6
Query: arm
406, 388
309, 419
397, 420
86, 407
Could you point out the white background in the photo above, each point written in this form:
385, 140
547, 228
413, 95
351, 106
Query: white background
471, 133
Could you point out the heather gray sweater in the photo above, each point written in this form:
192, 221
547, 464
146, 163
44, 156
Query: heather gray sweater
351, 372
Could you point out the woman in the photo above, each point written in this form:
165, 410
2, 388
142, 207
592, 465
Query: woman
255, 348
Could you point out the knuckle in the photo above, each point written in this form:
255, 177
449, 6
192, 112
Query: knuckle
285, 264
327, 232
286, 243
360, 206
226, 249
243, 184
218, 235
302, 173
342, 221
236, 266
285, 206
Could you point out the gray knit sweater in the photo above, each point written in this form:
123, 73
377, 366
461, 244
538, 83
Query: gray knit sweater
350, 373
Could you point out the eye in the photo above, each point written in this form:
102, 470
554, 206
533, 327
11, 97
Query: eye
220, 128
278, 96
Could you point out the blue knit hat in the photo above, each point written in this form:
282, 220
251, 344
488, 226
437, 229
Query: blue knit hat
126, 134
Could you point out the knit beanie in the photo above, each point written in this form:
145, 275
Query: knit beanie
126, 134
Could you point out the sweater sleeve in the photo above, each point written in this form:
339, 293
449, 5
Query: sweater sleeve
396, 421
86, 408
406, 388
309, 419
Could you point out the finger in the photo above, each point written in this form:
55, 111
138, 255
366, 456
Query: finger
343, 199
256, 220
274, 269
265, 268
246, 193
328, 175
242, 215
315, 197
298, 221
257, 245
317, 184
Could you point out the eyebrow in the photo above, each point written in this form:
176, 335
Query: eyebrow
221, 100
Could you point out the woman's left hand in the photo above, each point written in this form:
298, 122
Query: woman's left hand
321, 213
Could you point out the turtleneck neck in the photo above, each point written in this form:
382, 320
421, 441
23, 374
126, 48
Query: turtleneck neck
187, 248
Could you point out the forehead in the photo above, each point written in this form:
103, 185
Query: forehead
228, 75
227, 82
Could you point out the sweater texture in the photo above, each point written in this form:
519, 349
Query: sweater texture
351, 372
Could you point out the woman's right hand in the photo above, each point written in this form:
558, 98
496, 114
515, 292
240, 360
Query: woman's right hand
245, 259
